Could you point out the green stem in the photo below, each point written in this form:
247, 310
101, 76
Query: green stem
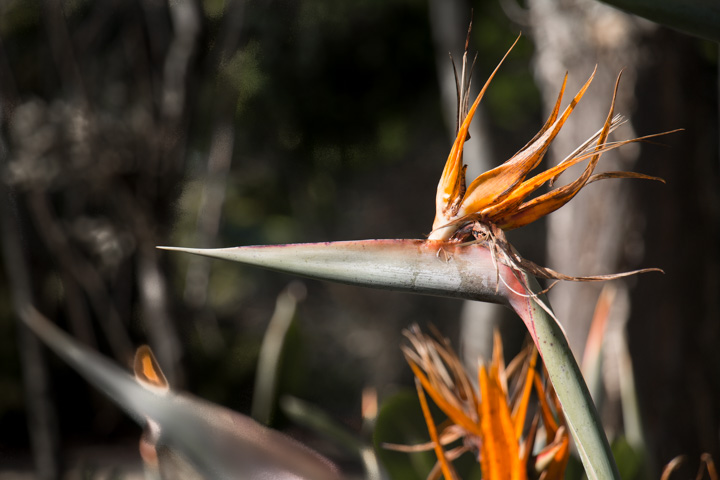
581, 415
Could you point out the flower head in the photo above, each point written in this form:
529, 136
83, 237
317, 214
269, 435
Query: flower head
492, 420
500, 196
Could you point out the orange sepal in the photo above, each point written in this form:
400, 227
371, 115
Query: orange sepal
521, 407
497, 184
451, 188
455, 414
447, 470
499, 452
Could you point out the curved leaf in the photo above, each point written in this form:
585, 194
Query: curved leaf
216, 442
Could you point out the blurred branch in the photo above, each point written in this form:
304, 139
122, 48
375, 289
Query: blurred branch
8, 91
41, 416
77, 310
61, 48
84, 273
212, 198
186, 21
197, 279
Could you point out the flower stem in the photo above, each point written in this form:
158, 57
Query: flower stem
580, 413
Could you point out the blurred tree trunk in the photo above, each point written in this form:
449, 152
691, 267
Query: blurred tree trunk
619, 225
600, 230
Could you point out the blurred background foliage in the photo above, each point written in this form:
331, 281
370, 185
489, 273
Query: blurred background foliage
131, 124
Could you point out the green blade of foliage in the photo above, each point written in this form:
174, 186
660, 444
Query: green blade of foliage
417, 266
317, 420
696, 17
461, 271
214, 441
582, 417
271, 353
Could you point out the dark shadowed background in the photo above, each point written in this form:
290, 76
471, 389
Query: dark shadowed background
130, 124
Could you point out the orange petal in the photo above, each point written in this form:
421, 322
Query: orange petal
553, 459
710, 465
497, 212
551, 201
606, 175
455, 414
451, 186
496, 184
559, 197
549, 422
147, 370
551, 119
671, 466
499, 452
529, 442
444, 465
521, 407
497, 368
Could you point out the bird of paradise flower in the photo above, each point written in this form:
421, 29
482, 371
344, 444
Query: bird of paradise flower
467, 255
492, 421
498, 200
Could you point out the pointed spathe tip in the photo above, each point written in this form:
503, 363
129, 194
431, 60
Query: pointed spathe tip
207, 252
177, 249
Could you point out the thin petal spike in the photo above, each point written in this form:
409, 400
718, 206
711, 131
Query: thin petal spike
496, 184
564, 194
529, 441
547, 203
671, 467
710, 465
522, 406
549, 422
454, 413
450, 191
446, 469
435, 473
498, 363
551, 119
608, 175
420, 447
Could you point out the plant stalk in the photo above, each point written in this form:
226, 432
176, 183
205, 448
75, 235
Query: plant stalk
469, 272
